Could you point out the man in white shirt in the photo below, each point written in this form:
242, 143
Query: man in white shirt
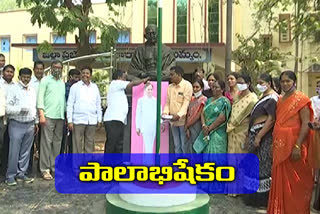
315, 101
22, 113
115, 116
84, 112
199, 74
7, 78
2, 127
2, 63
6, 83
38, 70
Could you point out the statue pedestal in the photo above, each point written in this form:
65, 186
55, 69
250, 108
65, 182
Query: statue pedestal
161, 198
116, 205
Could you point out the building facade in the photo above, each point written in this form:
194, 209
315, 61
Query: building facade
194, 29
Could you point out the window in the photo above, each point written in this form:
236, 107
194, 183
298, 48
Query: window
58, 39
92, 37
182, 14
152, 12
214, 20
123, 37
31, 39
266, 39
284, 28
5, 44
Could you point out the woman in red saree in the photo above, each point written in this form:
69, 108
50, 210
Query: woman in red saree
292, 175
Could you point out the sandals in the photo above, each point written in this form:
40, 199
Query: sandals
46, 176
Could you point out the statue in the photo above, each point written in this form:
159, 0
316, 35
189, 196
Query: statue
144, 61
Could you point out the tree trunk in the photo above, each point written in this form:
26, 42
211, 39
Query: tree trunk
297, 37
83, 46
228, 39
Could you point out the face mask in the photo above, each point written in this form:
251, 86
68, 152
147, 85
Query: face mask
262, 88
57, 73
25, 86
242, 87
198, 94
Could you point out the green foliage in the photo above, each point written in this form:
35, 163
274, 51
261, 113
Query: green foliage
255, 56
305, 19
8, 5
63, 16
45, 47
101, 78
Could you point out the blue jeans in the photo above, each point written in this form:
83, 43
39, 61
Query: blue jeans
179, 139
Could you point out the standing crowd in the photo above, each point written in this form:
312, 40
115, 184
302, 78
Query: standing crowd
42, 116
205, 117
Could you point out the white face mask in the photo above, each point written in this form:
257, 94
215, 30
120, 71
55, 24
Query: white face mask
262, 88
198, 94
242, 87
26, 86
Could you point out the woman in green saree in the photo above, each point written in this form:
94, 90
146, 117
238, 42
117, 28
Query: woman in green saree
214, 117
213, 138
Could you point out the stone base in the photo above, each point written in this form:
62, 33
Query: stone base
160, 197
115, 205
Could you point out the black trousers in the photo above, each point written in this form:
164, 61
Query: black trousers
114, 133
66, 143
4, 147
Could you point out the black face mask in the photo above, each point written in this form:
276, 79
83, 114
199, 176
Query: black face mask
57, 73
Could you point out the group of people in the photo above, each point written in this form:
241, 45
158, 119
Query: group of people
39, 112
273, 126
207, 116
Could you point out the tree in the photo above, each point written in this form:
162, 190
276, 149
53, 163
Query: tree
66, 16
305, 19
7, 5
255, 56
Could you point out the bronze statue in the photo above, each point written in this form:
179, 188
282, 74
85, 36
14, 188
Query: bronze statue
144, 61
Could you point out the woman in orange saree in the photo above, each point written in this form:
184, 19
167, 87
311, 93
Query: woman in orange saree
292, 175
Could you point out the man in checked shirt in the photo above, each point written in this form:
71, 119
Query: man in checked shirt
22, 114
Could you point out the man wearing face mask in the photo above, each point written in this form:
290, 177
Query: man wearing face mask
51, 106
315, 100
22, 113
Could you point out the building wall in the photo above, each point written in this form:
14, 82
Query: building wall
134, 17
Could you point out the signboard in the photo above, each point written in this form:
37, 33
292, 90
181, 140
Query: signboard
181, 55
58, 54
187, 55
